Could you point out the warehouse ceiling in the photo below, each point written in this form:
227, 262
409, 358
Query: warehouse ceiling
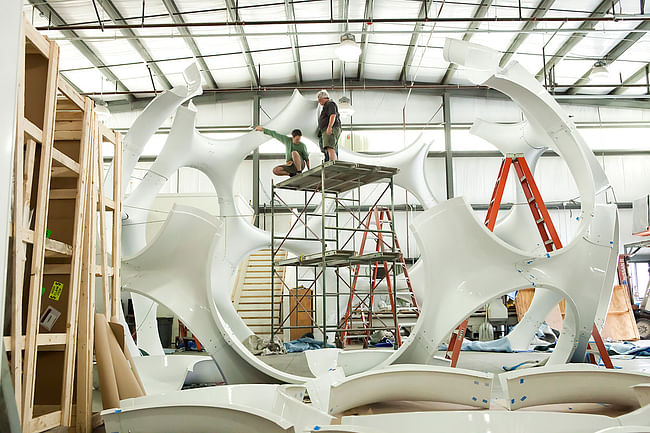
129, 49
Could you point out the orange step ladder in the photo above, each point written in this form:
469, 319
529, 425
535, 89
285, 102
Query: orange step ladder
380, 216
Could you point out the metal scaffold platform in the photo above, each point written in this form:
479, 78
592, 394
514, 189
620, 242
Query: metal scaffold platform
341, 226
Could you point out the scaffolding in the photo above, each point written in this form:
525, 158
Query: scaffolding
338, 184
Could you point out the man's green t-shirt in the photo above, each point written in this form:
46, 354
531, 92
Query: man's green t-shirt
289, 145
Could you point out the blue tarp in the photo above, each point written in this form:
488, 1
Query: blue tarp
500, 345
627, 348
304, 343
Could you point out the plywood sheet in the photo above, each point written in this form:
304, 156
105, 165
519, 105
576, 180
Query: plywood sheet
620, 323
522, 304
300, 299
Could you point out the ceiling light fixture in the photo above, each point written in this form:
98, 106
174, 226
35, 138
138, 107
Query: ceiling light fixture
345, 107
348, 50
102, 112
599, 70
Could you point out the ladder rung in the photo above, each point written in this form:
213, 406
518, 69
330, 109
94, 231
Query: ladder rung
531, 199
539, 220
549, 241
522, 178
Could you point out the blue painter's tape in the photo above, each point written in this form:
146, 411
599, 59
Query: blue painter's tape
521, 380
523, 398
316, 427
118, 411
512, 401
476, 382
474, 399
484, 401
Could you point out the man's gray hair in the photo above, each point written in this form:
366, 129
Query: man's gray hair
323, 94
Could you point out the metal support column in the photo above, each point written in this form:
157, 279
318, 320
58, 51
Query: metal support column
273, 253
449, 167
256, 164
323, 204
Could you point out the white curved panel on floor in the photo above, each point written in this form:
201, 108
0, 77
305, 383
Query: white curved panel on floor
345, 429
322, 361
482, 421
161, 374
640, 416
146, 325
357, 361
412, 383
239, 408
204, 371
572, 383
642, 392
199, 418
625, 429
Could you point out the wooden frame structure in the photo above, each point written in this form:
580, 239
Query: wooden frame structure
57, 137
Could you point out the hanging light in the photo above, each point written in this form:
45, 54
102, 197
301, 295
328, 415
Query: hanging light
348, 50
599, 70
102, 112
345, 107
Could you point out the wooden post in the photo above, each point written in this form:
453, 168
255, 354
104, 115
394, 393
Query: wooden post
117, 225
38, 254
75, 276
99, 175
87, 300
19, 253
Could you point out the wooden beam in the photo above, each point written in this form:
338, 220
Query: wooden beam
57, 248
56, 339
109, 204
87, 301
19, 255
67, 115
57, 269
38, 252
70, 93
62, 172
64, 105
67, 135
33, 131
36, 39
107, 133
50, 244
63, 194
117, 225
75, 276
45, 422
98, 165
65, 160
